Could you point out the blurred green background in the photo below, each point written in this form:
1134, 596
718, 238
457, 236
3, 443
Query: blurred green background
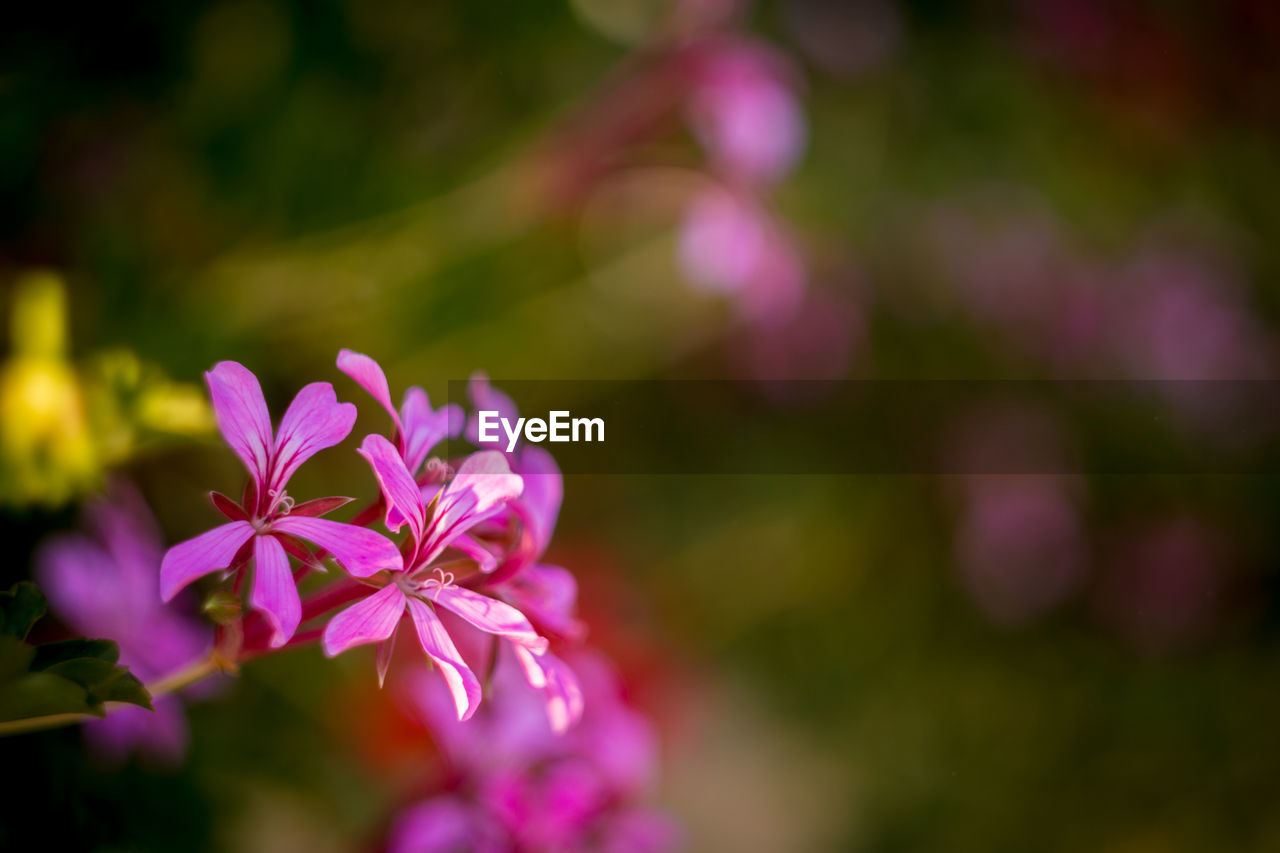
990, 189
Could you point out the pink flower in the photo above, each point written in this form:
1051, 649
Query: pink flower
418, 427
729, 244
526, 786
745, 114
547, 594
481, 488
103, 584
269, 519
444, 825
1021, 546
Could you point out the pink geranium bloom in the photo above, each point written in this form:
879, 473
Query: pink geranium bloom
513, 773
744, 112
729, 244
481, 488
103, 584
268, 518
418, 427
547, 594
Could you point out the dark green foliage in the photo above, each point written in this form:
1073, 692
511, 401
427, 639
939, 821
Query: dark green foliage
76, 676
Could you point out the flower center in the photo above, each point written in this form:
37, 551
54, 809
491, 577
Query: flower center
281, 501
442, 580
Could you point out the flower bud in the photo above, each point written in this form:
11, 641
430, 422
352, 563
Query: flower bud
223, 607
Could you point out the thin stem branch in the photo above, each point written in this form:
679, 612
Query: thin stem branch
169, 684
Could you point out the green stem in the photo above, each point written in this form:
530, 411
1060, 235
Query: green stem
169, 684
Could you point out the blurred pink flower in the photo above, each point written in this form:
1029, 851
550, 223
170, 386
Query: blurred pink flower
268, 517
445, 825
1181, 318
745, 113
1021, 546
816, 343
730, 245
103, 584
514, 775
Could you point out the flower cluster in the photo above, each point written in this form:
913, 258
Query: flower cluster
465, 572
534, 768
513, 783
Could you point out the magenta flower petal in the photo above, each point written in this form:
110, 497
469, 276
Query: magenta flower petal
474, 550
195, 558
550, 595
745, 114
369, 621
315, 420
439, 646
123, 523
484, 397
489, 615
481, 488
242, 415
162, 734
82, 583
444, 825
275, 595
641, 831
558, 683
368, 375
362, 552
543, 492
424, 428
398, 487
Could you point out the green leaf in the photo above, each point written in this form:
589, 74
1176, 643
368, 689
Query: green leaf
37, 694
15, 657
127, 688
49, 654
69, 676
20, 607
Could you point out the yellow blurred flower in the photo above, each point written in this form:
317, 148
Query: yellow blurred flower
60, 428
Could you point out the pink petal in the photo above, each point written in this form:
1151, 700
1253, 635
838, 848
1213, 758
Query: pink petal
82, 583
314, 421
274, 594
370, 620
484, 397
444, 824
559, 685
439, 646
122, 521
369, 376
539, 503
362, 552
481, 489
548, 594
489, 615
197, 557
398, 487
242, 415
161, 735
638, 830
424, 428
474, 550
